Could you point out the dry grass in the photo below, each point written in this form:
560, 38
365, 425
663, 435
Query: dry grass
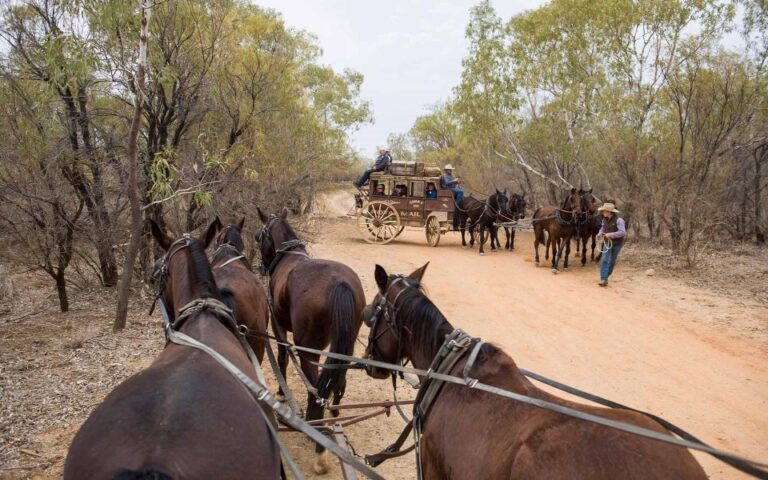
733, 269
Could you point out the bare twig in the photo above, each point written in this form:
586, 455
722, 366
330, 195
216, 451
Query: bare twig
183, 191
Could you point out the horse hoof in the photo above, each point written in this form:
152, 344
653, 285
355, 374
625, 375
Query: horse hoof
481, 254
320, 467
565, 269
463, 246
494, 250
554, 270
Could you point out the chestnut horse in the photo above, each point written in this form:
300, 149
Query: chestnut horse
560, 224
483, 216
470, 433
185, 416
232, 272
516, 208
320, 301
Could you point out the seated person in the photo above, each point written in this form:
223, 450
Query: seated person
400, 191
431, 190
382, 161
447, 180
379, 190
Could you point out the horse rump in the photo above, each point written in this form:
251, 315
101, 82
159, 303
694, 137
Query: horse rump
343, 312
147, 474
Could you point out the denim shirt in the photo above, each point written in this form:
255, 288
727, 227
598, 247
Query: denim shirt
382, 161
447, 181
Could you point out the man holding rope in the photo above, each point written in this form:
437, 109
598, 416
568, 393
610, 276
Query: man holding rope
612, 233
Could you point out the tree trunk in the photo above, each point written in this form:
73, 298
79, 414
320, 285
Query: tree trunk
133, 167
61, 290
759, 157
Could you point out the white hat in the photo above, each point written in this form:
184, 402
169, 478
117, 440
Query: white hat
448, 167
608, 207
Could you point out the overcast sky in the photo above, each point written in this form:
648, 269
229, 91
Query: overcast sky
409, 51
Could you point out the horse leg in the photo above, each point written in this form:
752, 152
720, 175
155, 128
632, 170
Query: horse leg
471, 235
282, 363
536, 234
315, 410
481, 234
554, 245
567, 253
594, 243
493, 232
512, 241
583, 250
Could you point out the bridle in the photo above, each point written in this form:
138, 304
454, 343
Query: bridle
239, 255
286, 247
386, 311
160, 273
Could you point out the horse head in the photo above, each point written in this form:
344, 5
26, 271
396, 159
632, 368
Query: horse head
517, 205
183, 273
385, 318
274, 237
500, 203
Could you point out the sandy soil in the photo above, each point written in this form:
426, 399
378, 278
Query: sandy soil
692, 355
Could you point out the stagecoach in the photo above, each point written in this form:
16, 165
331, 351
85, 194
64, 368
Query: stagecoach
383, 215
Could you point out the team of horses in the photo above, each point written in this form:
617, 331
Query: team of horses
555, 226
186, 417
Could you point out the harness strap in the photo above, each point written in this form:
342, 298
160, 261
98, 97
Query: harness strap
547, 405
233, 259
262, 394
394, 450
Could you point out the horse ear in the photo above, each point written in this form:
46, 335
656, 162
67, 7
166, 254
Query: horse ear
573, 190
381, 277
419, 273
241, 224
262, 217
284, 213
211, 232
590, 189
160, 236
505, 192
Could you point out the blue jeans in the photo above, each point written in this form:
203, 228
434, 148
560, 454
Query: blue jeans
458, 194
366, 176
609, 260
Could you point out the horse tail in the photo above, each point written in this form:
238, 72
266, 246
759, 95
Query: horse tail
147, 474
343, 314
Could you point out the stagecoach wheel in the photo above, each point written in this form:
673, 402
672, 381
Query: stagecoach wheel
379, 223
400, 231
432, 229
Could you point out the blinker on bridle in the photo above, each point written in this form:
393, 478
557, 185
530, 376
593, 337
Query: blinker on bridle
160, 274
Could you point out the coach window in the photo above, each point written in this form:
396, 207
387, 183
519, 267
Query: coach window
417, 189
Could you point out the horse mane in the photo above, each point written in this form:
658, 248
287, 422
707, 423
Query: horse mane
201, 272
427, 324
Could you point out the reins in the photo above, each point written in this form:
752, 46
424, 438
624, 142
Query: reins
257, 389
752, 467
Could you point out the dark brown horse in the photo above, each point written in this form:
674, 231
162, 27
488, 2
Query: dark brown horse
320, 301
560, 224
483, 216
589, 228
469, 433
516, 209
185, 416
232, 272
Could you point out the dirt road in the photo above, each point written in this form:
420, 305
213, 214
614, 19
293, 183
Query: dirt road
694, 358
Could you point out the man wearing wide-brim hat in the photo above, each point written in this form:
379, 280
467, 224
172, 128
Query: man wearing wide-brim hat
612, 232
447, 180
